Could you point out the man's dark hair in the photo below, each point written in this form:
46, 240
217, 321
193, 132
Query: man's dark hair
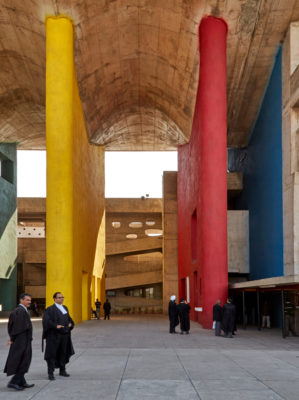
55, 294
23, 295
182, 299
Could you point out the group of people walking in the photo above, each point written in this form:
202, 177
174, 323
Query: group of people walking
179, 314
57, 327
224, 318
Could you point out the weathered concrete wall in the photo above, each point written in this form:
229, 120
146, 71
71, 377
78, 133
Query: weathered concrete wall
238, 241
170, 238
8, 226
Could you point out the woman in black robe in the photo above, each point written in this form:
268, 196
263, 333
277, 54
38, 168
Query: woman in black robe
184, 311
173, 314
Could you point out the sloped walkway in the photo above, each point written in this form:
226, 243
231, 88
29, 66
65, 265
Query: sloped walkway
134, 357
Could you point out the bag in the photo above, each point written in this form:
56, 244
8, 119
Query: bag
214, 325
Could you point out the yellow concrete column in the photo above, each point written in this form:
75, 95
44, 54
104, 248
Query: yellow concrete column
103, 292
93, 291
75, 180
59, 121
85, 292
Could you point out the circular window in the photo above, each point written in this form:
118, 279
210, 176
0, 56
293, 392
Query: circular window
131, 236
150, 223
135, 224
154, 232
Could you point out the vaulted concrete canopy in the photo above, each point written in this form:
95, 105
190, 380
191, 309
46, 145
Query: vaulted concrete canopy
137, 66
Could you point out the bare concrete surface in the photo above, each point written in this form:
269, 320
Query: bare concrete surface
134, 357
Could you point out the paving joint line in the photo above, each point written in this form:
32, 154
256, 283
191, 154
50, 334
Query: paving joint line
122, 375
187, 373
254, 376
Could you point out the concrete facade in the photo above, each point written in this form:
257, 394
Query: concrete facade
170, 238
133, 258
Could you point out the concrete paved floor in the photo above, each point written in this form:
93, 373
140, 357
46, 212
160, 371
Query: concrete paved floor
130, 358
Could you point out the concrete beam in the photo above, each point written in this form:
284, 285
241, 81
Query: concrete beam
133, 245
131, 280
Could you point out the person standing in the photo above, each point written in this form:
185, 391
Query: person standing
228, 318
98, 308
266, 315
217, 317
57, 326
20, 338
173, 314
184, 311
107, 309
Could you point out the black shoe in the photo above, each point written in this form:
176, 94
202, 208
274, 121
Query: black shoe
27, 385
15, 386
51, 377
64, 373
187, 333
181, 333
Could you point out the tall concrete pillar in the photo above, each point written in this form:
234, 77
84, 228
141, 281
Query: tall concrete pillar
75, 180
202, 187
211, 111
8, 226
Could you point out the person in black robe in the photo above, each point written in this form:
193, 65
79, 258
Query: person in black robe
57, 326
97, 303
217, 317
184, 311
20, 338
173, 314
228, 318
107, 309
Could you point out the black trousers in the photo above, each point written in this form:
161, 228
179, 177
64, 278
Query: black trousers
172, 326
107, 315
61, 350
18, 379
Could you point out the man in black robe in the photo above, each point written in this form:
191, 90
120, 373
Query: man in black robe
184, 310
173, 314
217, 317
57, 326
97, 303
20, 338
228, 318
107, 309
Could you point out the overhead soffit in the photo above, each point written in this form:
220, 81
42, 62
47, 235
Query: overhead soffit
137, 66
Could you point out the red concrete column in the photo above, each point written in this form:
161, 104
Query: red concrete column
211, 109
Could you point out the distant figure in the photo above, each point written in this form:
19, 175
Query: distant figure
289, 318
107, 309
98, 308
184, 310
34, 309
228, 318
173, 314
266, 315
20, 351
217, 317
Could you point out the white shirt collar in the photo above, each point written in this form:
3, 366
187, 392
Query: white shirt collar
61, 308
22, 305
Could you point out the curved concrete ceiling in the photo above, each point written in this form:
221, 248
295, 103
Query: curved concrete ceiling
137, 66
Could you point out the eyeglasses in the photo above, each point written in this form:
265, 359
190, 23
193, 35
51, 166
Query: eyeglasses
61, 297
